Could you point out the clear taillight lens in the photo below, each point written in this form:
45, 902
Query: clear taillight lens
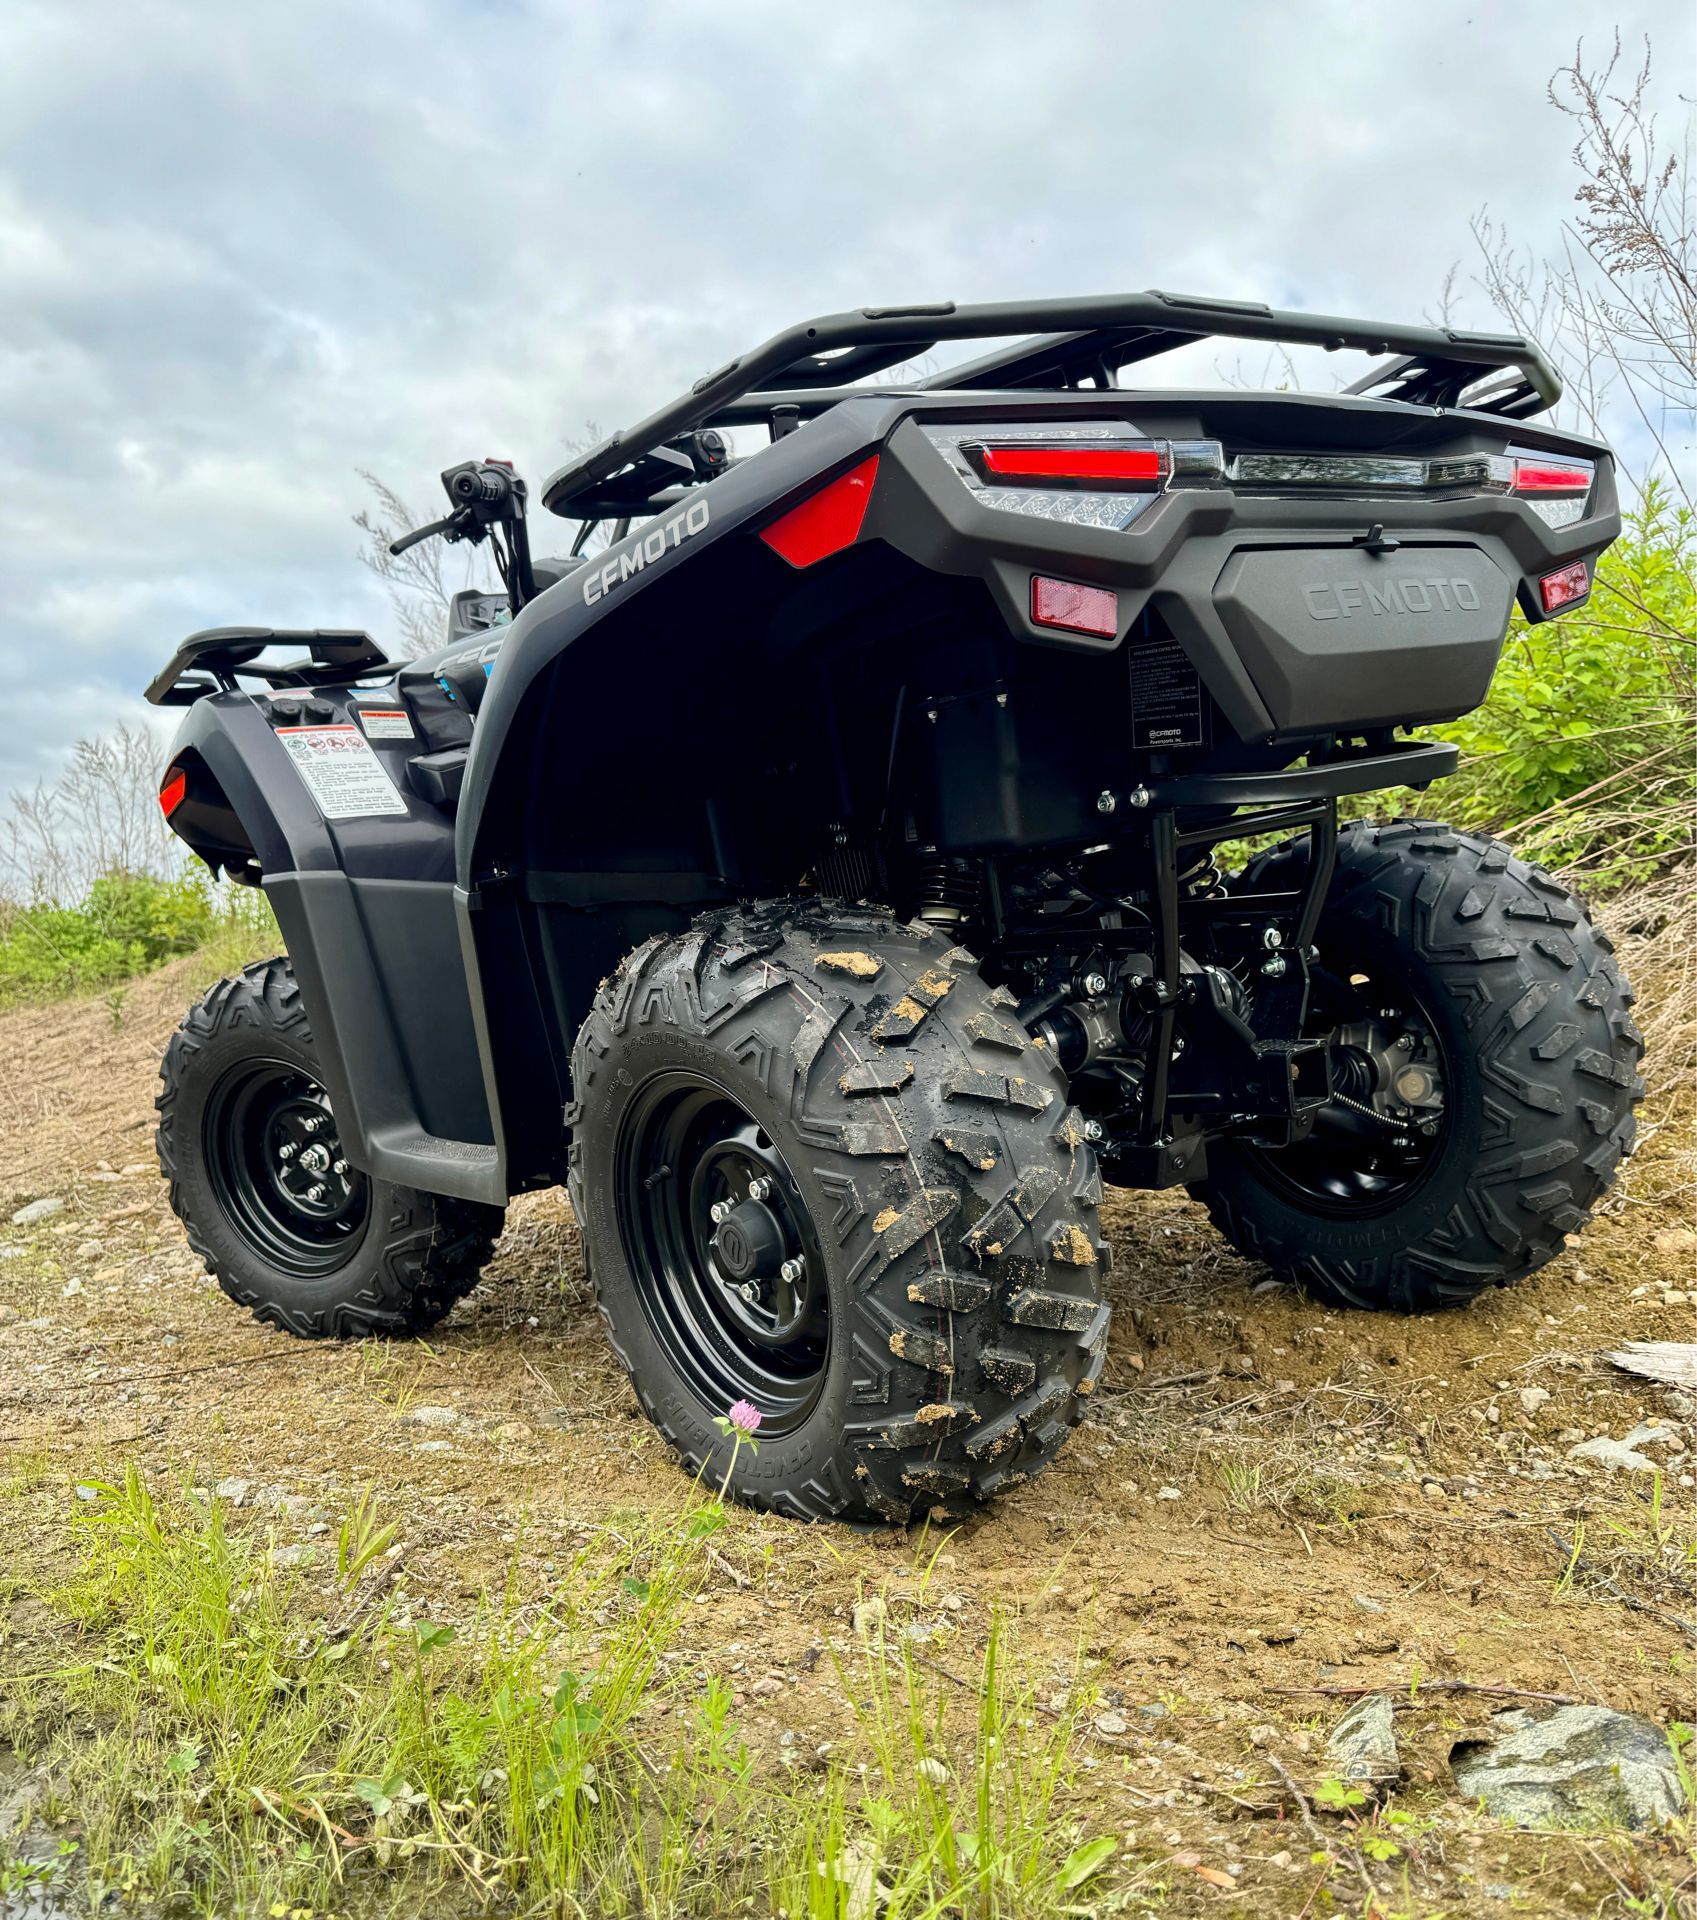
1089, 473
1554, 487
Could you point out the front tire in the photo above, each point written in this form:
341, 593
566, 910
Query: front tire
266, 1196
1512, 998
820, 1167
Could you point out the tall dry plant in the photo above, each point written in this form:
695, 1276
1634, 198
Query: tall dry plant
101, 816
1617, 302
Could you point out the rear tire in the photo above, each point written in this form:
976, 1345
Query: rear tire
1529, 1015
871, 1121
249, 1145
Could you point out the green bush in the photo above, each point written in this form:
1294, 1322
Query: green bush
128, 923
1583, 755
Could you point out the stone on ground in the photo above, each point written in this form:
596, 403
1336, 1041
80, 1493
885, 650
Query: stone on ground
1573, 1767
1362, 1748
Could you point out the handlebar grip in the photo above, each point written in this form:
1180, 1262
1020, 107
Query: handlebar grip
483, 486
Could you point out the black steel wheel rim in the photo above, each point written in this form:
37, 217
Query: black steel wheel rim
1351, 1167
724, 1255
276, 1165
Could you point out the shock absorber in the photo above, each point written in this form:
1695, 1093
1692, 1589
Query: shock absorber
1201, 879
947, 891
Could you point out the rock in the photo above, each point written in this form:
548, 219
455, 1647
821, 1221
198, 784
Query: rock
70, 1289
1677, 1240
1433, 1489
37, 1210
1614, 1454
512, 1430
434, 1417
1672, 1297
434, 1446
293, 1556
235, 1491
1169, 1493
933, 1769
1532, 1398
1649, 1436
1571, 1767
1362, 1747
766, 1686
868, 1615
1112, 1723
1672, 1362
90, 1249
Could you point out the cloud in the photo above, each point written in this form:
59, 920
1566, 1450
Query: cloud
248, 251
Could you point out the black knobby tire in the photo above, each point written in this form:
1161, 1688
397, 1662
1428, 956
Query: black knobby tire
938, 1186
389, 1260
1540, 1055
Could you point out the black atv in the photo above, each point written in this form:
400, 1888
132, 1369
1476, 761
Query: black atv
820, 878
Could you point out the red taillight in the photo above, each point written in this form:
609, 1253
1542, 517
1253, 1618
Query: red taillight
1564, 586
171, 794
1074, 608
826, 523
1543, 476
1087, 466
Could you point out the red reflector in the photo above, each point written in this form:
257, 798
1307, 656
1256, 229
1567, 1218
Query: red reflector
171, 794
1564, 586
826, 523
1141, 466
1072, 608
1531, 476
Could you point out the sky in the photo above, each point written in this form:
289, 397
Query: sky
248, 251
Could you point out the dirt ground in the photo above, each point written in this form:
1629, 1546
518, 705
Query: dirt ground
1273, 1507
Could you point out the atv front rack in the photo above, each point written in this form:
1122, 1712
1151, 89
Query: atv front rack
214, 660
1078, 342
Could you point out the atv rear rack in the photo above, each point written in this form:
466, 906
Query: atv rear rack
1077, 342
212, 660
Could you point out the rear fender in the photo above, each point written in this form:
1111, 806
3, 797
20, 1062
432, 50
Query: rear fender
369, 918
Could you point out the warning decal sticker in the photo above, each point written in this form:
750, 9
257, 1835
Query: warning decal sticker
341, 772
385, 723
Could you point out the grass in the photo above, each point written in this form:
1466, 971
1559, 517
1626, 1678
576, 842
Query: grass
219, 1732
128, 924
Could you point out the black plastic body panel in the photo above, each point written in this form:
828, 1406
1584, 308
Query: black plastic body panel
1340, 637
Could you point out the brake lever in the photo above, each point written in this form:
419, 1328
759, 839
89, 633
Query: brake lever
450, 525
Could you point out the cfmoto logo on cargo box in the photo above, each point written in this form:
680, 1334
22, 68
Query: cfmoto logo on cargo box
645, 547
1340, 599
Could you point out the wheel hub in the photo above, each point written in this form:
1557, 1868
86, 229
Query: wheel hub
275, 1160
305, 1155
749, 1243
1388, 1066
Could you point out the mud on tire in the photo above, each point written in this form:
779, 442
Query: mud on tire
394, 1261
1532, 1016
950, 1194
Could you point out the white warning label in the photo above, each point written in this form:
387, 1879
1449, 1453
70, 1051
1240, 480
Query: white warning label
385, 723
341, 772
